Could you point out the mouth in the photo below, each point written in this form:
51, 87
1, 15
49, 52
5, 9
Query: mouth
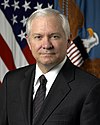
47, 54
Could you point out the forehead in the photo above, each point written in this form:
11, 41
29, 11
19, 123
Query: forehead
50, 21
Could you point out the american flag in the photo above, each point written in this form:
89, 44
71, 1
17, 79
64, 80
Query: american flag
74, 55
14, 51
77, 52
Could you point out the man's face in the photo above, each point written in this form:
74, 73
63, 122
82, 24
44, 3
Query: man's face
47, 41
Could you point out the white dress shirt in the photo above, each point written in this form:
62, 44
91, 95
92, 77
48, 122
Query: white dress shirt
50, 76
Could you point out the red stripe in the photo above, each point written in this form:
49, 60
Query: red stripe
70, 49
80, 63
6, 54
28, 55
75, 51
78, 59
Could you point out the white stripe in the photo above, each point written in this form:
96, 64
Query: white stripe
75, 57
75, 54
79, 63
74, 49
7, 33
3, 69
71, 47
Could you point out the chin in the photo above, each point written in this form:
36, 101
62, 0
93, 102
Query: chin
50, 64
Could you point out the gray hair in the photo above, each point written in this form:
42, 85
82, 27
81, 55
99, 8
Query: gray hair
46, 12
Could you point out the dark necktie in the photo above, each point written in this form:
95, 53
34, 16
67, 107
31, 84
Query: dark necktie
39, 97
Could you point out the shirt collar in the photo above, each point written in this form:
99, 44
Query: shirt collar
54, 71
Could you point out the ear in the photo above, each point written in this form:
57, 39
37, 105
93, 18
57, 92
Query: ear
68, 42
28, 41
71, 37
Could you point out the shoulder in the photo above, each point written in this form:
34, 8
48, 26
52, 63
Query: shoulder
85, 76
85, 82
80, 77
78, 72
20, 72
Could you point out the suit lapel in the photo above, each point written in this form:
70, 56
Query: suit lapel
58, 92
26, 93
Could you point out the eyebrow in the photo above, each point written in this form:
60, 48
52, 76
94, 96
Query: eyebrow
55, 33
36, 34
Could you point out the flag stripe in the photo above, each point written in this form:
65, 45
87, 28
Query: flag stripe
74, 55
74, 52
27, 53
6, 54
71, 47
3, 69
78, 62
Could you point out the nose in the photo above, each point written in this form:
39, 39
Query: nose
47, 44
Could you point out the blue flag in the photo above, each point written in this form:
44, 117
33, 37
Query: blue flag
91, 12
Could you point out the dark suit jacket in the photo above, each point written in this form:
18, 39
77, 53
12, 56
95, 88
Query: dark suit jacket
74, 98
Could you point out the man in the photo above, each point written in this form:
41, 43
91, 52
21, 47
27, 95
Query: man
72, 96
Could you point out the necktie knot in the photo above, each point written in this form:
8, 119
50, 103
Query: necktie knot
43, 80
